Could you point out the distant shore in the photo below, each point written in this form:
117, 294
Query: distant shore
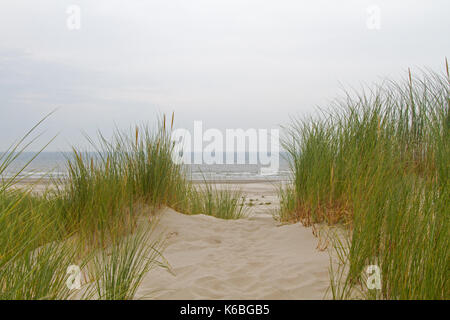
31, 181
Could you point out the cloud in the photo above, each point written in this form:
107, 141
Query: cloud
232, 63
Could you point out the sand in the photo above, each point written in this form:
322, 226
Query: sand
251, 258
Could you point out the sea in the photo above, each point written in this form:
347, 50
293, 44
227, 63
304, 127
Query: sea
54, 165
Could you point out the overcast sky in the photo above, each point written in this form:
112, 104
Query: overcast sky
231, 63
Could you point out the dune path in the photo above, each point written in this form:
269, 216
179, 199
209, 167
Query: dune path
251, 258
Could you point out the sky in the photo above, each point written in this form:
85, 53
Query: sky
229, 63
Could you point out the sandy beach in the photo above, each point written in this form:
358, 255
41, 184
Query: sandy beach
250, 258
255, 257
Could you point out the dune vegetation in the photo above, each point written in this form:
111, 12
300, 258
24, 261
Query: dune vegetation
377, 165
99, 217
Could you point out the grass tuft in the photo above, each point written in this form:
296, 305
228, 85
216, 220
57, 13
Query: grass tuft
377, 164
91, 218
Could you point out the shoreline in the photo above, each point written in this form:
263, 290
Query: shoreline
234, 181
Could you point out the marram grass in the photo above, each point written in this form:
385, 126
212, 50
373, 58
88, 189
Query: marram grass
220, 202
119, 269
90, 218
378, 164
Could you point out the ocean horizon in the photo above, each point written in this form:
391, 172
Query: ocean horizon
53, 164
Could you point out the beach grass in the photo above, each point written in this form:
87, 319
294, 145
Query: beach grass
32, 263
377, 165
224, 202
93, 210
91, 217
120, 269
105, 191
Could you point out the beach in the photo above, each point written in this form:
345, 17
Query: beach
359, 211
251, 258
255, 257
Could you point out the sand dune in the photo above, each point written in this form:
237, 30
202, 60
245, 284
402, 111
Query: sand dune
252, 258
